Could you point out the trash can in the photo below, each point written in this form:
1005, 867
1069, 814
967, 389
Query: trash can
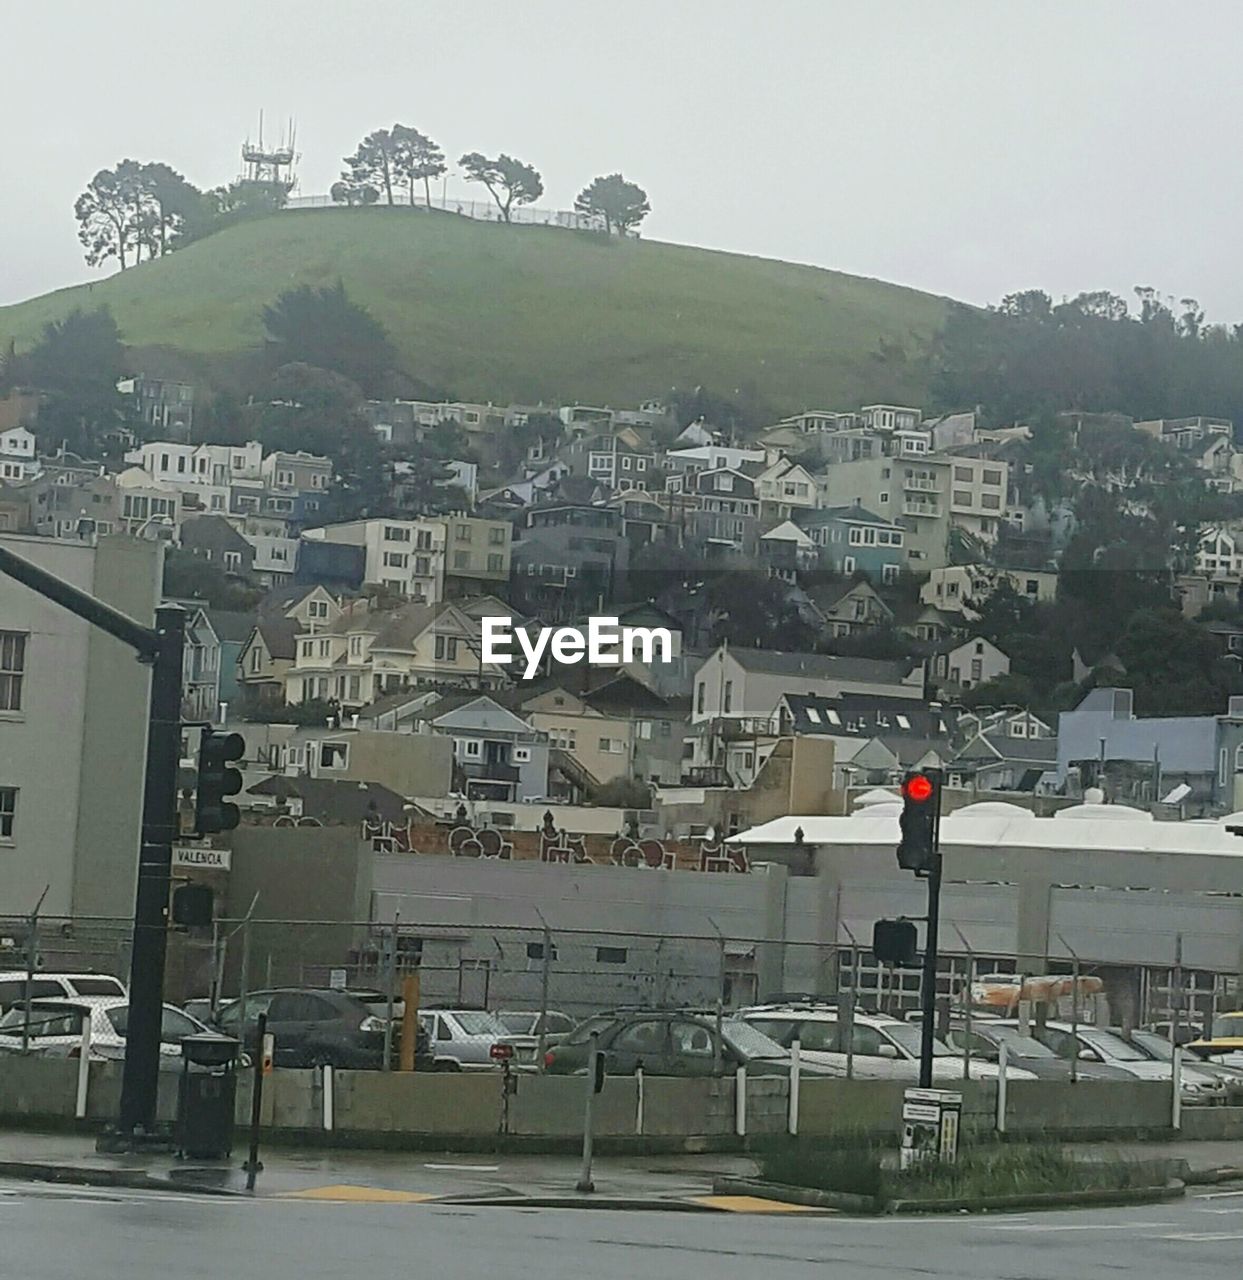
207, 1096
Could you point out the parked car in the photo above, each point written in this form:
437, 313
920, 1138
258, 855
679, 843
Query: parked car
884, 1048
1159, 1049
462, 1040
1025, 1052
44, 985
670, 1044
530, 1022
1095, 1044
1224, 1043
56, 1028
313, 1027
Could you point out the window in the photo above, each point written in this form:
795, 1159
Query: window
612, 746
334, 755
423, 540
884, 497
641, 1038
232, 560
992, 477
395, 560
463, 533
692, 1040
317, 609
1223, 767
12, 669
613, 955
521, 755
395, 533
472, 748
727, 702
496, 564
422, 566
496, 537
8, 812
962, 473
699, 698
848, 564
461, 559
889, 574
962, 497
991, 500
446, 648
535, 951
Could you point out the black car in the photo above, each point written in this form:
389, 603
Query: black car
668, 1044
315, 1027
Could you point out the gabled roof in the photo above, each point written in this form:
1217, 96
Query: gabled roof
821, 666
447, 712
280, 636
861, 715
231, 625
282, 599
841, 515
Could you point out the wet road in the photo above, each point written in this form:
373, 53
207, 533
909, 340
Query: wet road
50, 1233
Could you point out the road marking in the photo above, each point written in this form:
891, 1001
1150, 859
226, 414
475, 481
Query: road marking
1220, 1195
465, 1168
1043, 1227
753, 1204
1236, 1209
1204, 1237
359, 1195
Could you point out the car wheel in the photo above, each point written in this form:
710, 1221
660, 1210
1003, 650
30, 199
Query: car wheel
446, 1064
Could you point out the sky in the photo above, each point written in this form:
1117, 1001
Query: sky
966, 147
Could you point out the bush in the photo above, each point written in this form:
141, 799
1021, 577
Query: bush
981, 1172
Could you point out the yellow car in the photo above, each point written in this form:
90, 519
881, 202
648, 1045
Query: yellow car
1225, 1044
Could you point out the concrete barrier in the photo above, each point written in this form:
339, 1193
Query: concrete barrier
381, 1108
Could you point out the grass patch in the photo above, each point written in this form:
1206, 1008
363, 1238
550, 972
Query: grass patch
532, 313
981, 1173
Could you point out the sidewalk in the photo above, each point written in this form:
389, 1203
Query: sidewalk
368, 1175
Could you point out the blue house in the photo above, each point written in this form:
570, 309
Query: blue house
852, 538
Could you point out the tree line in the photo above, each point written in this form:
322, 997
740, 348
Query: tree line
390, 166
135, 211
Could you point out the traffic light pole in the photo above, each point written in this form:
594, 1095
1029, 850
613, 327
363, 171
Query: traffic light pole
928, 985
161, 648
140, 1080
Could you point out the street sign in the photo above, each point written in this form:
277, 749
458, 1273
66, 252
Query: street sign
189, 857
337, 979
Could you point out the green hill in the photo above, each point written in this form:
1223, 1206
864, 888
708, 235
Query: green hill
532, 313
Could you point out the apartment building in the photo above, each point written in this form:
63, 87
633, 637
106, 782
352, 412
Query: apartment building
477, 552
406, 556
976, 488
18, 457
73, 712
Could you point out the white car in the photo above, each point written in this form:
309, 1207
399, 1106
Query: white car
462, 1040
883, 1049
45, 985
56, 1027
1098, 1045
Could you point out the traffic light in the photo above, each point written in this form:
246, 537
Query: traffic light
894, 942
193, 906
921, 804
217, 781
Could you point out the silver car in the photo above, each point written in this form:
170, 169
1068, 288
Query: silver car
462, 1040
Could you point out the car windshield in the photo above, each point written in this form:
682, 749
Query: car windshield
907, 1036
1016, 1042
518, 1023
750, 1041
477, 1022
1153, 1045
101, 986
1112, 1048
173, 1024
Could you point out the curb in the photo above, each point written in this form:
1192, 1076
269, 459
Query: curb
786, 1193
125, 1179
584, 1201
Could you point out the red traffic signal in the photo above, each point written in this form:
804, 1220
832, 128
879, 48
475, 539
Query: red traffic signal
918, 788
921, 804
501, 1052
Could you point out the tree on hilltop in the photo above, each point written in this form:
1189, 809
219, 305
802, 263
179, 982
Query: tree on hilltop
622, 205
326, 329
508, 181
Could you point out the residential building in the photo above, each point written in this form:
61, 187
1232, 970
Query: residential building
1103, 741
405, 556
1219, 552
18, 457
959, 665
497, 755
848, 608
366, 653
14, 510
620, 461
1006, 757
787, 550
215, 540
298, 472
477, 552
267, 655
682, 463
738, 683
200, 668
910, 493
853, 539
275, 560
977, 493
569, 546
232, 630
149, 504
953, 588
332, 564
889, 417
73, 716
785, 487
73, 504
726, 515
161, 403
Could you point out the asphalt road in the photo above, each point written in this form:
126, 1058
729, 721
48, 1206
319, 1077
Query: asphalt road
49, 1233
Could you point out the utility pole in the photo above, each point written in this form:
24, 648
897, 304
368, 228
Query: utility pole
160, 648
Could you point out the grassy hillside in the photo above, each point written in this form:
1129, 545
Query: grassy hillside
531, 313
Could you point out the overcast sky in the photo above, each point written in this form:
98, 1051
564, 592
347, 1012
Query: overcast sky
967, 147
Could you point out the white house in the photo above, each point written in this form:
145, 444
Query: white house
18, 458
964, 664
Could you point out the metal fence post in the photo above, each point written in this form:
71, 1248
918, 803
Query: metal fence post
740, 1102
392, 994
585, 1184
1002, 1063
638, 1101
796, 1075
1176, 1080
84, 1068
